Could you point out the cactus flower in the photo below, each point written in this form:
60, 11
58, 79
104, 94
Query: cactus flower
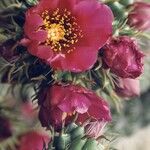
68, 100
67, 34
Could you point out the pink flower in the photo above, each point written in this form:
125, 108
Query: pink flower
139, 17
67, 34
69, 99
128, 87
123, 57
33, 140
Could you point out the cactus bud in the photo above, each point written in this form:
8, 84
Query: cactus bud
77, 144
71, 127
77, 132
61, 142
92, 144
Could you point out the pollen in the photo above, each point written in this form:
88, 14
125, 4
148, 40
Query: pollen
63, 30
56, 32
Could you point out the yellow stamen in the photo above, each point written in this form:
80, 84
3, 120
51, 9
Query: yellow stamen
56, 32
63, 31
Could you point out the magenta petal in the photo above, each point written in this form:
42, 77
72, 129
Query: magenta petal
74, 102
66, 4
33, 21
65, 105
129, 66
40, 35
99, 109
81, 103
33, 47
98, 28
44, 52
58, 61
81, 59
57, 94
46, 5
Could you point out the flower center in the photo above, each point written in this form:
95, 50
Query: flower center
56, 32
63, 31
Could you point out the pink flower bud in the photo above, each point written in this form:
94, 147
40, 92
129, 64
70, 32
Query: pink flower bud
139, 17
123, 57
128, 87
95, 129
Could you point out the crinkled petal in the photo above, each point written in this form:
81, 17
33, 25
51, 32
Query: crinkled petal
81, 103
99, 109
65, 105
57, 94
